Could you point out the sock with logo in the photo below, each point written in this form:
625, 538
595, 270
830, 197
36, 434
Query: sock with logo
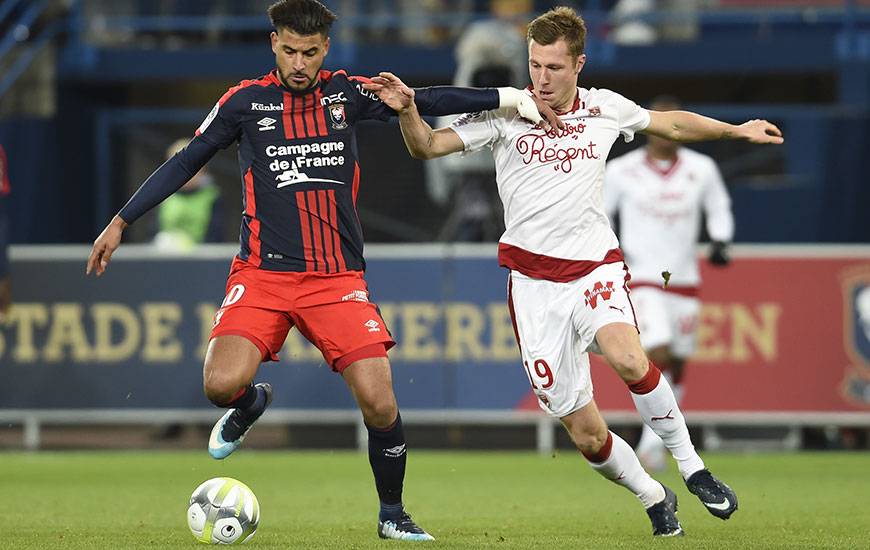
650, 442
387, 456
618, 463
658, 407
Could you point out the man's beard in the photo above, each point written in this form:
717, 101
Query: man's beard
287, 84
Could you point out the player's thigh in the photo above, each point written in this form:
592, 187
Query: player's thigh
230, 362
338, 319
685, 312
552, 358
653, 321
606, 322
255, 308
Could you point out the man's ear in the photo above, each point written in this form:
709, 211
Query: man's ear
581, 61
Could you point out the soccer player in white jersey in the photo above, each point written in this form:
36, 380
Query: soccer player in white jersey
567, 287
659, 192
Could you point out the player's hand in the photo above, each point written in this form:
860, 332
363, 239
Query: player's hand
549, 119
392, 91
760, 131
105, 245
533, 109
719, 254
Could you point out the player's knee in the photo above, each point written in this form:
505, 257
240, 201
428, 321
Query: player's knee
219, 388
380, 413
590, 442
630, 365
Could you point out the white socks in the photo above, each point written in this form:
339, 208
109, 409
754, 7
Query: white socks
651, 444
622, 467
658, 407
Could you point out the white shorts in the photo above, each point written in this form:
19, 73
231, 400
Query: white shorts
556, 325
667, 319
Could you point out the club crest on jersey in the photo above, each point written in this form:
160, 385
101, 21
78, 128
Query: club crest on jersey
856, 331
337, 116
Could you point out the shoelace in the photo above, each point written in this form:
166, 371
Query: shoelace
235, 425
706, 482
406, 524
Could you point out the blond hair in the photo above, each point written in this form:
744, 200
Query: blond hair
560, 23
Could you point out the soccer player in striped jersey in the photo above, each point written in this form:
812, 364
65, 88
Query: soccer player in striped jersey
301, 260
568, 284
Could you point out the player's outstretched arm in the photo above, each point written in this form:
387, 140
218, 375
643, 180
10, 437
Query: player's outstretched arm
422, 141
685, 126
105, 245
165, 181
447, 100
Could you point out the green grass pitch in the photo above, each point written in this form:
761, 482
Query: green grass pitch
310, 500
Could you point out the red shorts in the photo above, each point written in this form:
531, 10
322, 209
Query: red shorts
331, 310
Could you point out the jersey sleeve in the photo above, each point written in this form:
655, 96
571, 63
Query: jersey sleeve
717, 206
369, 105
222, 126
631, 117
477, 130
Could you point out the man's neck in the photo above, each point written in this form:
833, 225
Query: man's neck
661, 154
567, 106
313, 84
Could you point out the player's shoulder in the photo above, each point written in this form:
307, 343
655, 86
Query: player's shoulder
599, 95
249, 88
697, 158
626, 161
340, 81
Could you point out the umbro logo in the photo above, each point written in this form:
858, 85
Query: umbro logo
373, 325
395, 452
267, 124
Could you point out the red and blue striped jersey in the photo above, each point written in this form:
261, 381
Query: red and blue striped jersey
299, 166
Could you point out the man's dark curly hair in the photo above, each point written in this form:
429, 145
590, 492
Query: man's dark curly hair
305, 17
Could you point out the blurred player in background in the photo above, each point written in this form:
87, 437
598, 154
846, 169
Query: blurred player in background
5, 279
659, 192
567, 289
301, 260
194, 214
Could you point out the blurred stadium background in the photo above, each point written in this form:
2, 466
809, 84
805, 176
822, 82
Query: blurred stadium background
92, 92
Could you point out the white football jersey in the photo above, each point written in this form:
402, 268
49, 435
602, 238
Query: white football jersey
551, 182
659, 206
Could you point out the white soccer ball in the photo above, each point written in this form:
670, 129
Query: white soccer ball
223, 511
